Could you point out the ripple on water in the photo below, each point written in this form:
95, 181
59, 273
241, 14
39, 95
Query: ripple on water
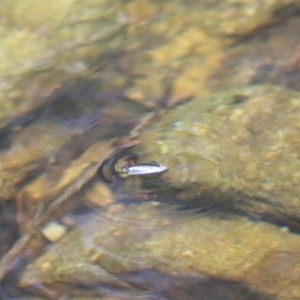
202, 154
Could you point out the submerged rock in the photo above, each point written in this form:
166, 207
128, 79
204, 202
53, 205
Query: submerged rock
122, 241
239, 146
243, 142
166, 49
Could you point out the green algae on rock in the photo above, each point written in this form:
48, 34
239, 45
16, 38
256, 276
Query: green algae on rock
161, 46
242, 141
168, 242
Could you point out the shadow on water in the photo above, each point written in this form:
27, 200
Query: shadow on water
158, 286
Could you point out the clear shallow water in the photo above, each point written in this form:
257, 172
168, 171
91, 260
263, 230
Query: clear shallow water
218, 223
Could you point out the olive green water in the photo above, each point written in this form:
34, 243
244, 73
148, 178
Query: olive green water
207, 89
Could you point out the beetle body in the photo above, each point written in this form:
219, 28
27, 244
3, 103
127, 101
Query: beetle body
144, 169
